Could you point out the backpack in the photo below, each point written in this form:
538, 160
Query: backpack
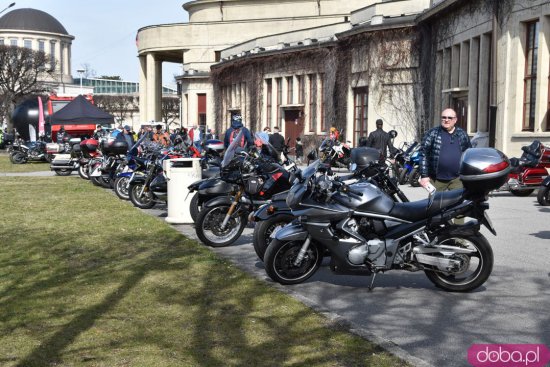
233, 134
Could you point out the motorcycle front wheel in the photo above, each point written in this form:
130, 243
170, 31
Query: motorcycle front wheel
279, 261
144, 201
209, 230
403, 176
474, 268
18, 157
543, 196
414, 177
122, 185
264, 229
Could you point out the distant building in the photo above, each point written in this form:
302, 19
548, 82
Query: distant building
40, 31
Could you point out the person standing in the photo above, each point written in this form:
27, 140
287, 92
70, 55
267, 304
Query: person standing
161, 137
380, 140
299, 150
442, 148
233, 131
127, 135
277, 140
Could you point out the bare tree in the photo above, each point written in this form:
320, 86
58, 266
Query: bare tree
170, 110
22, 72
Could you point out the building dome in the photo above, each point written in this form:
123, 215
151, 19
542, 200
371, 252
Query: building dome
31, 20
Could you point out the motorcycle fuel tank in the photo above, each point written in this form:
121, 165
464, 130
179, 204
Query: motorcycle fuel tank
373, 200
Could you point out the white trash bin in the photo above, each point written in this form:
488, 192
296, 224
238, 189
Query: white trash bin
180, 173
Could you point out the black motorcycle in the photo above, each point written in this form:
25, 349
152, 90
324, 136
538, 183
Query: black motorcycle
366, 166
366, 232
334, 153
149, 187
21, 152
543, 195
258, 177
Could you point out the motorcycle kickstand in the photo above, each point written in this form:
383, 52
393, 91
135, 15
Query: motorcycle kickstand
371, 286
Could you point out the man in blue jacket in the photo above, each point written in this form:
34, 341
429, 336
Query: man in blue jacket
442, 148
233, 131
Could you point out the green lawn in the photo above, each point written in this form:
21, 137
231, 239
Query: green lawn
7, 166
88, 280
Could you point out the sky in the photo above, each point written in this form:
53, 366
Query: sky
105, 31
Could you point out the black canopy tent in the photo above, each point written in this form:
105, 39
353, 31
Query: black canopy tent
79, 117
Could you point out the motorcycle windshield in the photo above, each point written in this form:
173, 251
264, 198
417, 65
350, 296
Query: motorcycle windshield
310, 170
231, 149
263, 139
133, 151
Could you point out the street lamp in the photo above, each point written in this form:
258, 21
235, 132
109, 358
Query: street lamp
80, 72
7, 7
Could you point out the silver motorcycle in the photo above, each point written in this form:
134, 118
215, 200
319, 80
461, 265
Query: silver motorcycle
366, 232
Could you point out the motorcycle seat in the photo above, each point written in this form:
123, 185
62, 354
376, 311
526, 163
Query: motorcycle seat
417, 210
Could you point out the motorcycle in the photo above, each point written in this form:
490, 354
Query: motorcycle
103, 171
89, 156
365, 166
67, 158
543, 195
21, 152
411, 166
529, 170
212, 186
335, 153
366, 232
258, 177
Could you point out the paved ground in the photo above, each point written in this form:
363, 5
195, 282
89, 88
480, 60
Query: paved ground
421, 323
428, 326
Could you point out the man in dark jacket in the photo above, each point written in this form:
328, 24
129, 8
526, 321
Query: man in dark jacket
442, 148
380, 140
277, 140
233, 131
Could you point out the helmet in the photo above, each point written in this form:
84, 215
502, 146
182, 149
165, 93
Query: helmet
332, 129
392, 133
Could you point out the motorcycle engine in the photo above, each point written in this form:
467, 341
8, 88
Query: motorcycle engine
373, 251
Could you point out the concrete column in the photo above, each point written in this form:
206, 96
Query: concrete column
438, 85
455, 66
473, 84
484, 73
143, 89
154, 88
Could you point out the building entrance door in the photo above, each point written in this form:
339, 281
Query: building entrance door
294, 125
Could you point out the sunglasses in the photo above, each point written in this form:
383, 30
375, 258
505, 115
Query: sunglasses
447, 117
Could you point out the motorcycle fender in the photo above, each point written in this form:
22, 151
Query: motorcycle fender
125, 174
278, 207
292, 232
220, 200
195, 185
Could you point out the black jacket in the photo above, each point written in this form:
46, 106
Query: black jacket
278, 142
380, 140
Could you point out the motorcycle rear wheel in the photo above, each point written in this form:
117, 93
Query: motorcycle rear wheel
83, 172
464, 280
121, 187
63, 171
145, 201
18, 157
543, 196
208, 225
263, 230
279, 261
522, 193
